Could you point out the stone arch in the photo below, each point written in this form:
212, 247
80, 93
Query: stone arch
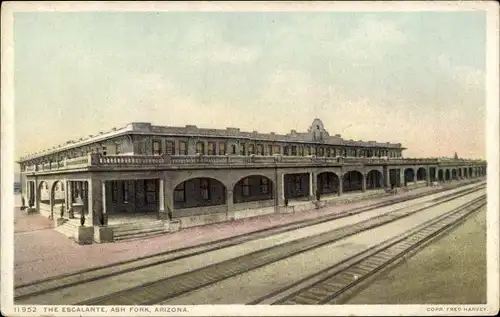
454, 174
470, 172
199, 192
253, 188
374, 179
421, 174
409, 175
441, 175
328, 182
352, 181
181, 178
447, 175
57, 193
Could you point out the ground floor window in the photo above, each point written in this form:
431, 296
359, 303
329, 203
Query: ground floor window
180, 193
114, 191
150, 186
125, 192
264, 185
205, 188
245, 187
298, 183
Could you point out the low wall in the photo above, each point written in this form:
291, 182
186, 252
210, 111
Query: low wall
261, 208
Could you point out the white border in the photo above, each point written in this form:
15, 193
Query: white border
492, 127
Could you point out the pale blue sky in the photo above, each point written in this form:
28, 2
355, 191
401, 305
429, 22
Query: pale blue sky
415, 78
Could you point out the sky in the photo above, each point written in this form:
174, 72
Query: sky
416, 78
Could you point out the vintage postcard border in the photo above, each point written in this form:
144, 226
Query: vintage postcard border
492, 126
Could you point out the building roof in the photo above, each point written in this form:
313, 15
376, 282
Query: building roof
316, 133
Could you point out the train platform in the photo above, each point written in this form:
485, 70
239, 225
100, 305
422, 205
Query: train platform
43, 253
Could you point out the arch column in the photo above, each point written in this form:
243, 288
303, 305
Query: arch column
341, 184
387, 182
103, 202
363, 182
428, 176
229, 199
70, 195
37, 196
51, 200
279, 192
402, 177
168, 199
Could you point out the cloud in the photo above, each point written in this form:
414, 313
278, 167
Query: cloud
226, 53
468, 77
371, 40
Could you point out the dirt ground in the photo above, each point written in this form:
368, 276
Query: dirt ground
452, 270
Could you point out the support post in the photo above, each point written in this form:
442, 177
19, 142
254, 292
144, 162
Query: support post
341, 184
280, 189
161, 198
94, 201
363, 183
230, 204
103, 204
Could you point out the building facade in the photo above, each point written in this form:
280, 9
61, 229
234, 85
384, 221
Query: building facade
198, 176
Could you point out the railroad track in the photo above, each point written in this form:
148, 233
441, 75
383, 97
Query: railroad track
167, 288
334, 283
22, 292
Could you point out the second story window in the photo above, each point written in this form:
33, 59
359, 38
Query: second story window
294, 150
286, 150
200, 148
211, 148
277, 149
260, 149
170, 148
251, 149
233, 147
183, 148
306, 151
321, 151
328, 152
242, 149
301, 151
222, 148
156, 147
269, 150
